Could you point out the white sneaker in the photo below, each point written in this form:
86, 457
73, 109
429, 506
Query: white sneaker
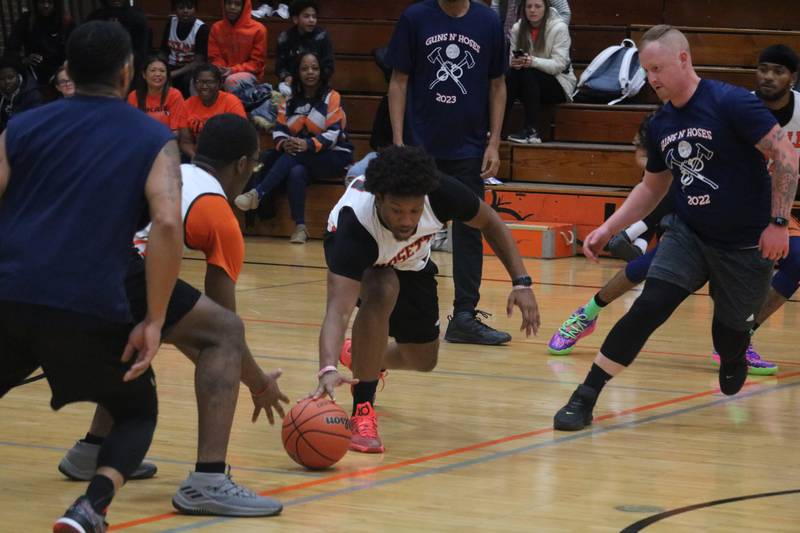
248, 200
217, 494
282, 11
262, 12
80, 463
299, 235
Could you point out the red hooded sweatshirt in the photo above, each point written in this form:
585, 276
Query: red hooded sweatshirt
241, 46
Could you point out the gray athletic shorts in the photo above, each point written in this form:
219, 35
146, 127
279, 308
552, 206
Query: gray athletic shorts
738, 279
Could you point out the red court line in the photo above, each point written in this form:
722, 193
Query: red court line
448, 453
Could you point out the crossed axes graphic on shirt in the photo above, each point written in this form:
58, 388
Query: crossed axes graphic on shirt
691, 168
448, 69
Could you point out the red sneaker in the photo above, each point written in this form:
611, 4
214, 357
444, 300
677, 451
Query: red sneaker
346, 358
364, 426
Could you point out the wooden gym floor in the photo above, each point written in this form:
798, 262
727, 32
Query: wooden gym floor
470, 446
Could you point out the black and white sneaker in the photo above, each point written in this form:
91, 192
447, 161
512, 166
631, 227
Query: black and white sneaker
529, 136
81, 518
577, 414
621, 246
465, 327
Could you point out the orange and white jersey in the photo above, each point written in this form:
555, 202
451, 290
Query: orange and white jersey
208, 222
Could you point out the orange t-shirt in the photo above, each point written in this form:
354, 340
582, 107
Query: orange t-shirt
195, 113
170, 114
211, 227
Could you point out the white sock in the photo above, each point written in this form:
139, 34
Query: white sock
635, 229
641, 244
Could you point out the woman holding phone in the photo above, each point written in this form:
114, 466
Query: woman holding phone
540, 70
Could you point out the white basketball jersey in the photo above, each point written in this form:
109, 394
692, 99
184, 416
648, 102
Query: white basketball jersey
181, 51
792, 128
196, 183
410, 254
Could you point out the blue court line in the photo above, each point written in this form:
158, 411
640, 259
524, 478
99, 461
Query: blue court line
165, 460
490, 376
580, 435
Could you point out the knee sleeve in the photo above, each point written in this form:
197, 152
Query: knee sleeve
135, 419
655, 305
636, 270
729, 343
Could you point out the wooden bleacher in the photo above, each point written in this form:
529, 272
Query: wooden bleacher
590, 153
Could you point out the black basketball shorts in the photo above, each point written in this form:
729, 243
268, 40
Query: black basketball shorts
415, 318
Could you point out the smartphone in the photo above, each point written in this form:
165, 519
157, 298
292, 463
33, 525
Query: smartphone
518, 53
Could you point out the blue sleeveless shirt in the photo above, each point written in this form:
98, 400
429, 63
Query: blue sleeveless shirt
73, 202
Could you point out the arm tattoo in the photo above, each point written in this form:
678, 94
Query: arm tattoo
783, 170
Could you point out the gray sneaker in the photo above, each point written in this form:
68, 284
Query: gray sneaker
80, 463
218, 494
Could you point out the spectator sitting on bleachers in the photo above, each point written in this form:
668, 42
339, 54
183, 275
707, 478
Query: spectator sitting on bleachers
154, 96
238, 45
184, 44
310, 143
304, 36
18, 90
540, 71
507, 11
39, 36
209, 102
133, 20
63, 83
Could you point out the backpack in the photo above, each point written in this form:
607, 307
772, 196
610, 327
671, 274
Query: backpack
613, 75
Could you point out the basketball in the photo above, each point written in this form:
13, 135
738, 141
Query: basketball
316, 433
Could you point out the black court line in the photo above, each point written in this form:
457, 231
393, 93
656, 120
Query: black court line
543, 283
650, 520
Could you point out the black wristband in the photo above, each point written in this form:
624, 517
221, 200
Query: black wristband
780, 221
522, 281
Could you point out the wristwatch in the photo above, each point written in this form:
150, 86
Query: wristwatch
779, 221
522, 281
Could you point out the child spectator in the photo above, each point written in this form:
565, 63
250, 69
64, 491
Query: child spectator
132, 19
238, 45
310, 142
208, 102
40, 37
154, 96
184, 44
305, 35
540, 69
63, 83
18, 90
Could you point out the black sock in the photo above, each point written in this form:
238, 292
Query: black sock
91, 438
100, 493
364, 391
597, 378
599, 301
210, 468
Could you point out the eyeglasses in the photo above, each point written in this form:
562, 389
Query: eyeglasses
206, 82
61, 83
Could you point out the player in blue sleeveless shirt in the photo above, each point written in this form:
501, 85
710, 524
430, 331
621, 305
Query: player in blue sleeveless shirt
707, 147
76, 178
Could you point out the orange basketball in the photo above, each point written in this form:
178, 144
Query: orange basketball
316, 433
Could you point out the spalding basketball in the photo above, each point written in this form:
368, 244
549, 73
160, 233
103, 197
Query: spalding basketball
316, 433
